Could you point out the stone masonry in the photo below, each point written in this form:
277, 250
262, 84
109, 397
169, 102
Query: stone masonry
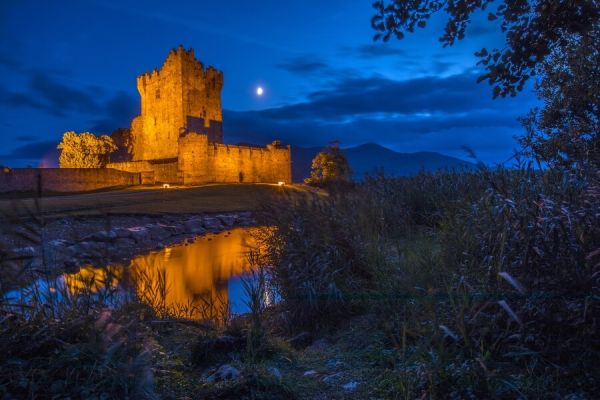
181, 124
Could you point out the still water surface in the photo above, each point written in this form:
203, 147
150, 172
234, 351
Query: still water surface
195, 280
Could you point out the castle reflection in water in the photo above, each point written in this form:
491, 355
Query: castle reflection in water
196, 280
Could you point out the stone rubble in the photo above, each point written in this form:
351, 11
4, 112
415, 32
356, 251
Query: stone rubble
122, 243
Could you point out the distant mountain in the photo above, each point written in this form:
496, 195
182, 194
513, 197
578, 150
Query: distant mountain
368, 158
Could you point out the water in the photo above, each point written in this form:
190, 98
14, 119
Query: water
198, 280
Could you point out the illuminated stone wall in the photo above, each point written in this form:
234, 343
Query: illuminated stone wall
64, 179
179, 134
181, 89
203, 162
164, 171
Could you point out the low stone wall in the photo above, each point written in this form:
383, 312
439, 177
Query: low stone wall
165, 171
64, 179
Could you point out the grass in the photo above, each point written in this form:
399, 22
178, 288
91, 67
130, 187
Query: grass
449, 285
484, 284
155, 200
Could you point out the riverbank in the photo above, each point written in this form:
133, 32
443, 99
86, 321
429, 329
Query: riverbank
70, 242
63, 232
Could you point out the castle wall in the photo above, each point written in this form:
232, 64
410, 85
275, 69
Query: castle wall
204, 162
193, 162
178, 138
64, 179
164, 171
180, 89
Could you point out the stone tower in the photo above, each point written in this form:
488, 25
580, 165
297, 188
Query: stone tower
182, 97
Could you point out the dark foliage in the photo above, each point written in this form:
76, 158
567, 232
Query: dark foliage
566, 131
485, 283
533, 29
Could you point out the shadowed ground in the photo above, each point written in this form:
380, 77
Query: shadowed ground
150, 200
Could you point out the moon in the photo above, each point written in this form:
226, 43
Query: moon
259, 91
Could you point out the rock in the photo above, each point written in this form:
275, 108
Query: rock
246, 222
195, 226
310, 372
139, 234
57, 243
213, 224
244, 218
227, 220
55, 251
157, 232
25, 252
124, 243
333, 377
122, 232
224, 373
334, 364
86, 250
244, 214
174, 229
301, 340
274, 371
101, 236
352, 385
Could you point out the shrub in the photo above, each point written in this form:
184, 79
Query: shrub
485, 281
329, 167
85, 150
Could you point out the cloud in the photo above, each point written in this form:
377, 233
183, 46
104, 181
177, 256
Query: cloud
359, 96
373, 50
303, 65
26, 138
9, 62
118, 113
56, 98
31, 153
432, 113
60, 98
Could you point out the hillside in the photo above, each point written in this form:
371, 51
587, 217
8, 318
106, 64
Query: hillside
370, 157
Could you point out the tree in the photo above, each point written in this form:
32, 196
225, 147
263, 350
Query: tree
329, 166
566, 131
533, 29
85, 150
125, 142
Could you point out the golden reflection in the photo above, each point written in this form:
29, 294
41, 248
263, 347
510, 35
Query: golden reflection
188, 280
91, 279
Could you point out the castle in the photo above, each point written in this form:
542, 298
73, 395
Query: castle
178, 137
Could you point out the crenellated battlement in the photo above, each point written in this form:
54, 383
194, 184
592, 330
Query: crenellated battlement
181, 121
181, 93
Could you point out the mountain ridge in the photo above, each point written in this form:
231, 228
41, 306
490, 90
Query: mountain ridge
368, 158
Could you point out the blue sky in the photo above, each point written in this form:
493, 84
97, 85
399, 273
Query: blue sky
71, 65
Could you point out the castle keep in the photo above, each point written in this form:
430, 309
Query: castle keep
178, 138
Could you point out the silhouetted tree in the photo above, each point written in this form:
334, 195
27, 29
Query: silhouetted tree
566, 131
84, 150
329, 166
533, 29
124, 141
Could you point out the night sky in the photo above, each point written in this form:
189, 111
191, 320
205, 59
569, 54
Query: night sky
72, 65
